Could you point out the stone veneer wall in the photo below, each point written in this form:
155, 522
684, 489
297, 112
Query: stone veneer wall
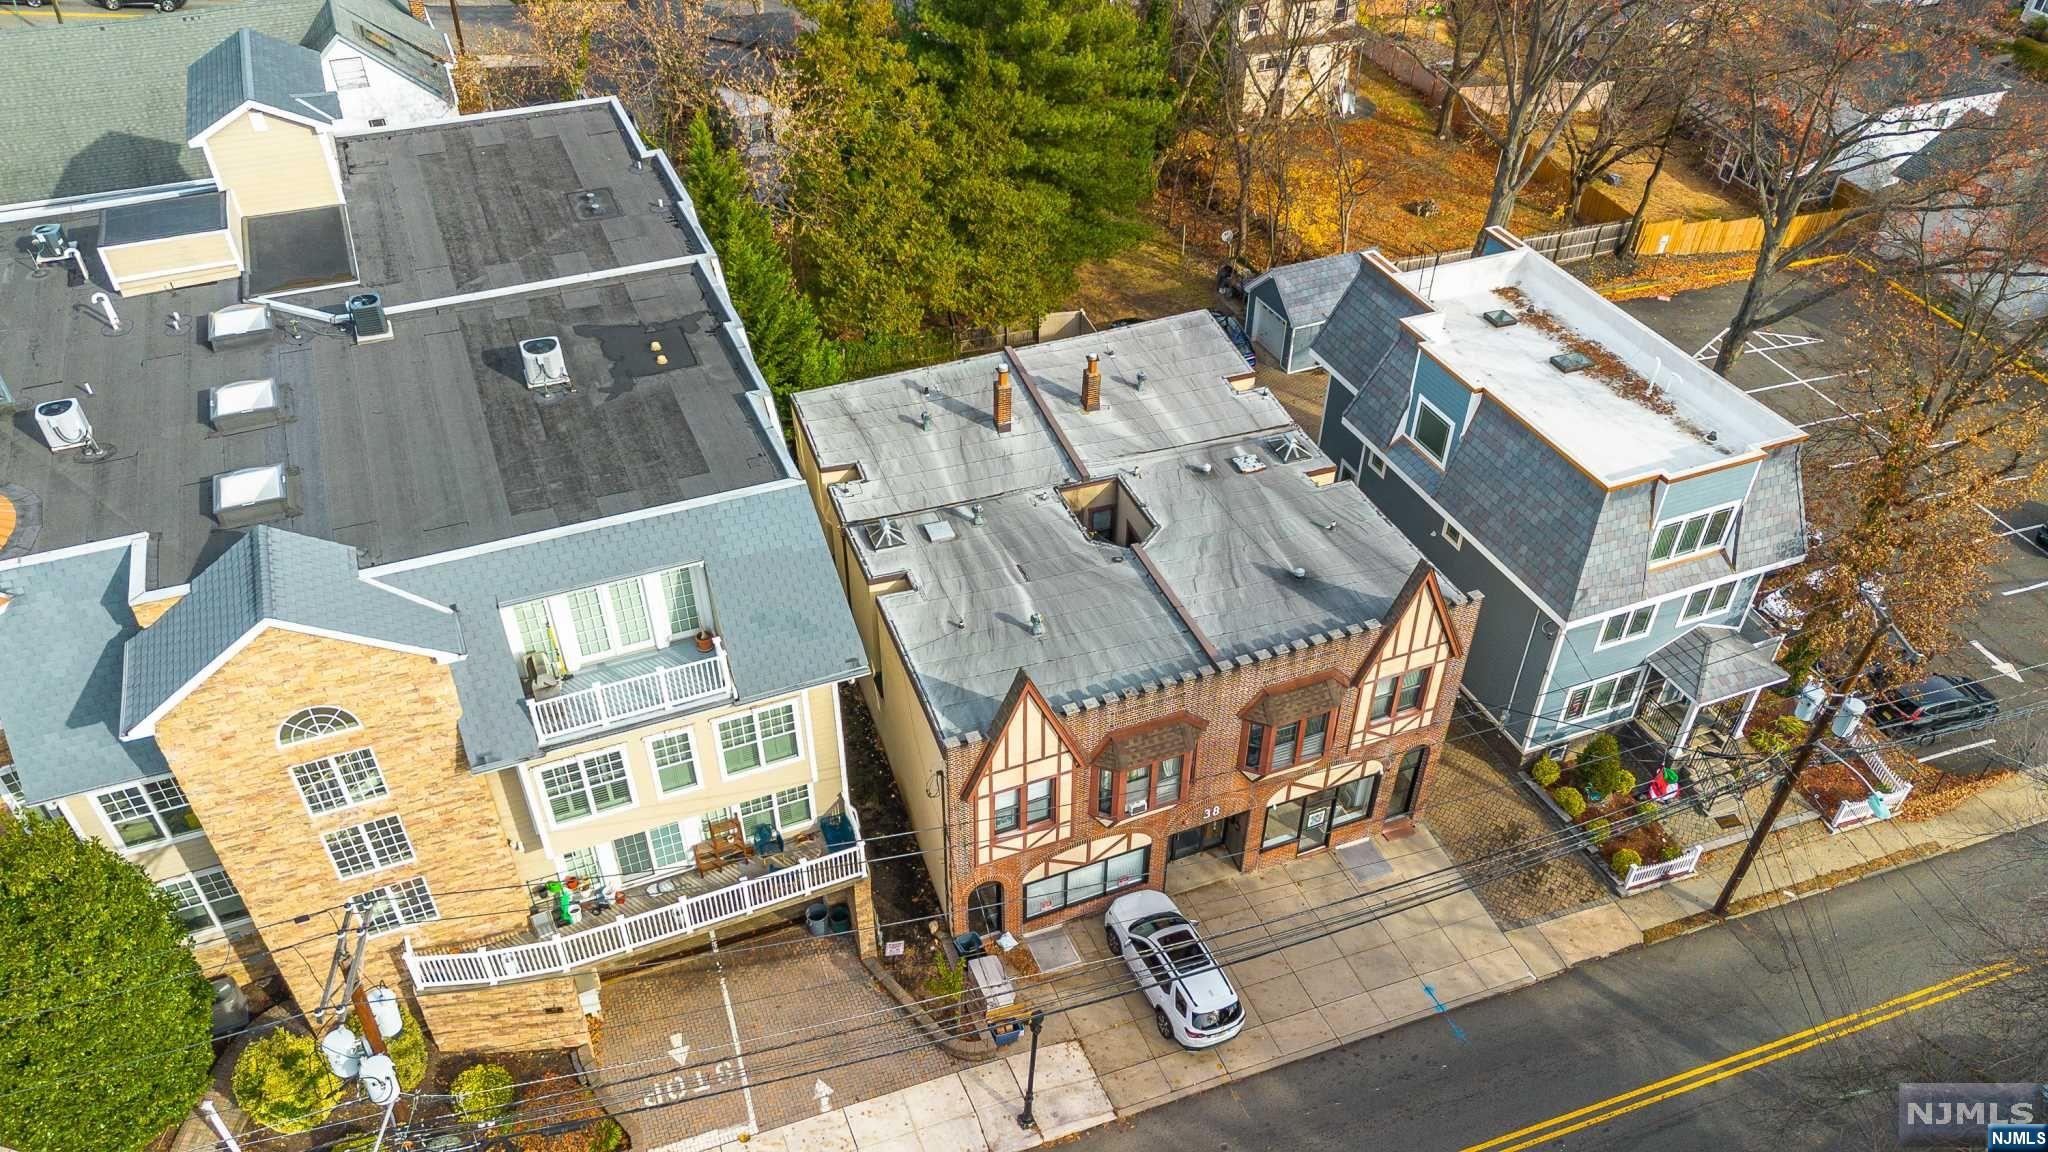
1216, 780
221, 742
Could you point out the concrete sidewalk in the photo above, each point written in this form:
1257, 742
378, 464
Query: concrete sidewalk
970, 1111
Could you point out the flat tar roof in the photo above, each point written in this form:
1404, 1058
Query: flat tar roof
429, 441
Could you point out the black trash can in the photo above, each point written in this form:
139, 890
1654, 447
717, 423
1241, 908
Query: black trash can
842, 919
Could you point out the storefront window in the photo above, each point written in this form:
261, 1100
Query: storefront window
1079, 885
1283, 823
1354, 799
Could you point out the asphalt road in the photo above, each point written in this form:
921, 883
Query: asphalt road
1799, 368
1634, 1019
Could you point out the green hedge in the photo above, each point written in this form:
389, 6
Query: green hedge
2031, 57
1622, 861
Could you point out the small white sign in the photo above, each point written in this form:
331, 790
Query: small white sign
893, 948
822, 1092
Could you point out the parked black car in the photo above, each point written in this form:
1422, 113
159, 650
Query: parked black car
1235, 331
1928, 708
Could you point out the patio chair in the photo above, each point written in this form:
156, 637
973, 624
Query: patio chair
767, 841
837, 831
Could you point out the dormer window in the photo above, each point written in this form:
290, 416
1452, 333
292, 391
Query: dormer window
1691, 535
1289, 726
1430, 430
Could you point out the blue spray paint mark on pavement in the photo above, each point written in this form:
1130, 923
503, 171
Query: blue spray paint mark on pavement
1457, 1032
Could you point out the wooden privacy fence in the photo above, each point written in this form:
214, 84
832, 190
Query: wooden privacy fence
1567, 246
1703, 237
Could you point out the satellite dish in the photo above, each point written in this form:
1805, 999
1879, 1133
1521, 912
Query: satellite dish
343, 1050
384, 1010
380, 1079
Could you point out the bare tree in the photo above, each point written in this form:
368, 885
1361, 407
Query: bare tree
1426, 31
1808, 93
1551, 57
1648, 86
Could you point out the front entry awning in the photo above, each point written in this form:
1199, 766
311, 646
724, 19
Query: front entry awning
1711, 664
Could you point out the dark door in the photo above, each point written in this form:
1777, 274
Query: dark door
1200, 838
985, 910
1317, 812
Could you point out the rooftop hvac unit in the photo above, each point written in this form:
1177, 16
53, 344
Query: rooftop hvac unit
544, 363
48, 241
366, 317
63, 424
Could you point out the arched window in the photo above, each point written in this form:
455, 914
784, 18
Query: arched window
313, 723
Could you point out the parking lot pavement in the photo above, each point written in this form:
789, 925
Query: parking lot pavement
709, 1045
1801, 368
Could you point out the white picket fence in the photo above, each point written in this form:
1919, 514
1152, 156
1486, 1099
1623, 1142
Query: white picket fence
580, 949
1642, 877
1885, 787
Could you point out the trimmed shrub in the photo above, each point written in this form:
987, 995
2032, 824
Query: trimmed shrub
1645, 808
2030, 56
1792, 728
360, 1142
1599, 829
610, 1137
282, 1082
949, 978
1600, 766
408, 1049
1669, 853
1545, 771
1622, 861
482, 1093
1571, 800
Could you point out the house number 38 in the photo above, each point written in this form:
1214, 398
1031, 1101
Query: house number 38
1212, 812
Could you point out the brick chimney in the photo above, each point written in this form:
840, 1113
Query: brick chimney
1091, 385
1003, 397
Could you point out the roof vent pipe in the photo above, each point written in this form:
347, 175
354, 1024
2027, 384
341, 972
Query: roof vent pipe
1298, 572
1002, 400
1037, 624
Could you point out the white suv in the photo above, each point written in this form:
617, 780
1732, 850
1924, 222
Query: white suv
1192, 1001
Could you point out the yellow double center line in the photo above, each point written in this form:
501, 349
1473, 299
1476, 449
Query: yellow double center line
1757, 1057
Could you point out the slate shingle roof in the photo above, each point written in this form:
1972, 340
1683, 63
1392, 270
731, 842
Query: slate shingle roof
249, 67
69, 618
137, 139
275, 576
1310, 289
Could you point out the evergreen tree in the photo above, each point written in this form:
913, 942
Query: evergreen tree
782, 326
104, 1019
1081, 87
864, 159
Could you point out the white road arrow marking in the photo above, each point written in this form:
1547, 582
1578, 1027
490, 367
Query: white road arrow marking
823, 1092
2002, 667
678, 1049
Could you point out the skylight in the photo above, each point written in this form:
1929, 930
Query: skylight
1569, 362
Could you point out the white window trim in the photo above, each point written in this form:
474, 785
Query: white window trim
1709, 589
732, 810
412, 852
614, 874
220, 926
1408, 431
696, 762
546, 804
1452, 535
802, 718
306, 801
113, 838
1346, 474
355, 726
556, 607
1600, 629
1375, 462
1734, 510
1593, 685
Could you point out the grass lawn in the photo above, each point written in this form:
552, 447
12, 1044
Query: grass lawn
1150, 278
1684, 189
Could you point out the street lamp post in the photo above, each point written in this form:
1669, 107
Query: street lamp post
1024, 1118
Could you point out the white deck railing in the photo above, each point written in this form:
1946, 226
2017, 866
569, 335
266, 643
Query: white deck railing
668, 689
580, 949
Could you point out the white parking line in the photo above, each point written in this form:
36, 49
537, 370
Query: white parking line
1953, 751
2009, 530
2028, 588
732, 1025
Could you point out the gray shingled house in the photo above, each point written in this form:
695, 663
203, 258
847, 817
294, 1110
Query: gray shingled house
1286, 306
1616, 501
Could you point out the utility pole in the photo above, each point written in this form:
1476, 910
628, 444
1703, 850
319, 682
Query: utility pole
455, 12
1821, 723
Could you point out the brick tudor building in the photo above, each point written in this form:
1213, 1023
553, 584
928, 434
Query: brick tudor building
499, 584
1121, 612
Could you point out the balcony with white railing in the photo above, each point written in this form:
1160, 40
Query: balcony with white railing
644, 922
673, 679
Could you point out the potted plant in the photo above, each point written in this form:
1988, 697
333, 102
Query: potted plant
703, 639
